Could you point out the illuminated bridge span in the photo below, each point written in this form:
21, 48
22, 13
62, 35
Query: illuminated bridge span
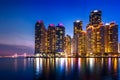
16, 55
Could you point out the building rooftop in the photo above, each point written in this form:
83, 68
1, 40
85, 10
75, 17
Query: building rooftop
95, 10
60, 24
39, 21
51, 25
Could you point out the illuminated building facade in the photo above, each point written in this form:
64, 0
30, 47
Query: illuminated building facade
95, 33
95, 17
89, 32
40, 38
83, 43
119, 47
102, 39
95, 39
77, 27
51, 38
60, 34
67, 48
73, 46
111, 38
76, 36
100, 44
79, 38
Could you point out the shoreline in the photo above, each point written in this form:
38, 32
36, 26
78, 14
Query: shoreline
66, 57
74, 57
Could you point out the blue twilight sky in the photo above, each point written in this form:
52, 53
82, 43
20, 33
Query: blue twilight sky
18, 17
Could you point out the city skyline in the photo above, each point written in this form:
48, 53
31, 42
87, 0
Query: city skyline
97, 40
59, 40
18, 17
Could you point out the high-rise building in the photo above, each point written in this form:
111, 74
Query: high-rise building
60, 34
111, 38
76, 36
95, 39
95, 33
119, 47
100, 40
107, 37
51, 38
40, 38
79, 37
67, 48
77, 27
95, 17
83, 43
89, 40
73, 46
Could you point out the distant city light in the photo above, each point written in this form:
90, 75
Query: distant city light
91, 53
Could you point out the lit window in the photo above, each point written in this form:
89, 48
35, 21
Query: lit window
61, 31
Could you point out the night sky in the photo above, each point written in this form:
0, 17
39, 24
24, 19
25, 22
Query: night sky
18, 17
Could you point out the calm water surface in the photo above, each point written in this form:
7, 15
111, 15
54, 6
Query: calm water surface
60, 69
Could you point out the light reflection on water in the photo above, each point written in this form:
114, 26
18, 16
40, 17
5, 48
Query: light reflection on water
60, 69
91, 62
109, 63
77, 68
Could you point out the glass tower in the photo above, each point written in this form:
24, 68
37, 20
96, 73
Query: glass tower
60, 34
40, 38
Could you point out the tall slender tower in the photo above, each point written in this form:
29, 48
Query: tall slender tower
67, 48
119, 47
76, 36
111, 39
60, 34
40, 37
89, 31
51, 38
78, 39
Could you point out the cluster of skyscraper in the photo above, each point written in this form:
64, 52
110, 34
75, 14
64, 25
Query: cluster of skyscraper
97, 39
49, 40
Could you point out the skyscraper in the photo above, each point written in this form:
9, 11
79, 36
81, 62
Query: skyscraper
75, 41
73, 46
119, 47
95, 33
95, 39
67, 48
100, 40
77, 26
51, 38
78, 40
60, 34
95, 17
82, 42
107, 37
111, 38
89, 40
40, 38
